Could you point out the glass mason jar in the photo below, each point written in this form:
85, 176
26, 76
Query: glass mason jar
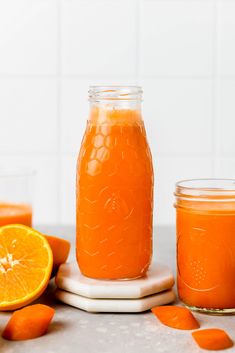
16, 189
114, 187
205, 222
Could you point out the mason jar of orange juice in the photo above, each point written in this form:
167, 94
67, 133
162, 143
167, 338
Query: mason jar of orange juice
114, 187
205, 212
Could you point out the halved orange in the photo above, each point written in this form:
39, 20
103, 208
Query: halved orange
26, 262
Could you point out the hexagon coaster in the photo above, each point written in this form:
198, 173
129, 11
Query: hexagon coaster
159, 278
115, 305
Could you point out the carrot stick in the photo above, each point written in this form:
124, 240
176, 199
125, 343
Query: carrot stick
176, 317
29, 322
60, 248
212, 339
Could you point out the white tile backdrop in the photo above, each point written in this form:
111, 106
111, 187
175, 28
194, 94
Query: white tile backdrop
181, 51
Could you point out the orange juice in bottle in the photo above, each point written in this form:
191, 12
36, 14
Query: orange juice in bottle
114, 187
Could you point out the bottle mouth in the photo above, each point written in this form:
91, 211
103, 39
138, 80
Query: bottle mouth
217, 190
115, 93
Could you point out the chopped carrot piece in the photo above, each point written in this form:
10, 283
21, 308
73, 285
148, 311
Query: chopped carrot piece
60, 248
212, 339
29, 322
176, 317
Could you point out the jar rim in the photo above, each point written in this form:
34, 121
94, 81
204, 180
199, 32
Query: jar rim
99, 93
207, 189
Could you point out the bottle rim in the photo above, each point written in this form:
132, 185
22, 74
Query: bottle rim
115, 93
207, 189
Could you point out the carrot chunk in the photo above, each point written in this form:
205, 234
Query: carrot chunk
176, 317
29, 322
212, 339
60, 248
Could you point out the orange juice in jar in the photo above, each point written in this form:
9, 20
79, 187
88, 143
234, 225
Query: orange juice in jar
205, 213
114, 188
16, 197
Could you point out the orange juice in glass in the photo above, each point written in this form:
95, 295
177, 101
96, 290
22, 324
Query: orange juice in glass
16, 197
205, 220
114, 187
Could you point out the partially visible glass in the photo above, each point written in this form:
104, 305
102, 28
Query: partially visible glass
16, 193
205, 227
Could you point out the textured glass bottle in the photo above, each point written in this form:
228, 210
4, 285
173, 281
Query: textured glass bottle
114, 187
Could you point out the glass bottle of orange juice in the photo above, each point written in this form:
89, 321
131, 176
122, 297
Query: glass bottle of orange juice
114, 187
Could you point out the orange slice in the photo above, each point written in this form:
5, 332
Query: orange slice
26, 262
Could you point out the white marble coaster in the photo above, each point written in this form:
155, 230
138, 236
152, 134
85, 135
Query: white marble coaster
115, 305
70, 279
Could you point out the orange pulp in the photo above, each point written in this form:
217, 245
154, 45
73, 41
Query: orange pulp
11, 213
206, 254
114, 196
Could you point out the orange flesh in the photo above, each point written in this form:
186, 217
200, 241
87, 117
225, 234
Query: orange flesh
15, 214
212, 339
176, 317
60, 249
114, 196
25, 266
206, 254
28, 323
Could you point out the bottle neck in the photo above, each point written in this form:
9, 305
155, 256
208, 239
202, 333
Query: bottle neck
115, 105
113, 115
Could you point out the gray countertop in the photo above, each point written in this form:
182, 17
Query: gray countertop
76, 331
